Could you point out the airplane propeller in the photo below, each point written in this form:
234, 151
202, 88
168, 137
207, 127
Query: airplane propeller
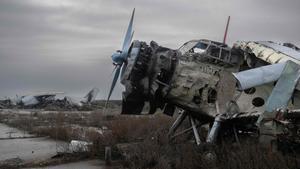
120, 57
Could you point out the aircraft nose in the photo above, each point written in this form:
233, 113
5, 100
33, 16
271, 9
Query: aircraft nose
117, 58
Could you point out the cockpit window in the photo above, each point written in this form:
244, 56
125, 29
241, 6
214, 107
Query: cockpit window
193, 47
200, 48
187, 46
201, 45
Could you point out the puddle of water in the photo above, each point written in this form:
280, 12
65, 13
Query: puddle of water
9, 132
26, 149
29, 149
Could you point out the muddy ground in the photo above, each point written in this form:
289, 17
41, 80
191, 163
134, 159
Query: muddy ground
31, 138
34, 138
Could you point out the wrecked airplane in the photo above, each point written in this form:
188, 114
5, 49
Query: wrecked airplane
34, 99
86, 100
244, 90
48, 99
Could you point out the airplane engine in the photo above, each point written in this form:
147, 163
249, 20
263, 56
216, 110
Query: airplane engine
167, 78
147, 78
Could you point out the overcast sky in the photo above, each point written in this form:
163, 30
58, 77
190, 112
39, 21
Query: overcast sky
65, 45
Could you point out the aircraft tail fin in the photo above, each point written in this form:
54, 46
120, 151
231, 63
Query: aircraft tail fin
91, 95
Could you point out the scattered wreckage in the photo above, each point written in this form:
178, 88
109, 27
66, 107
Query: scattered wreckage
48, 99
250, 89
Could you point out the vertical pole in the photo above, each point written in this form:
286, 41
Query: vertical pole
196, 134
226, 30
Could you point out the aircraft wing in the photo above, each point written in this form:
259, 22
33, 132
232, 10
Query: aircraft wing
46, 94
33, 99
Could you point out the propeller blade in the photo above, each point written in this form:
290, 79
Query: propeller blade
123, 69
125, 64
131, 36
118, 68
114, 70
128, 35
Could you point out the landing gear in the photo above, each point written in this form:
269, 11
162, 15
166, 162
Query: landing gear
212, 133
194, 127
196, 134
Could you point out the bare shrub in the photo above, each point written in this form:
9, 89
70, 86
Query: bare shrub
129, 129
57, 129
252, 155
154, 155
155, 152
95, 119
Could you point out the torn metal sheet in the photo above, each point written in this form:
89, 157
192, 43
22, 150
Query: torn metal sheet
279, 99
258, 76
269, 51
282, 49
286, 83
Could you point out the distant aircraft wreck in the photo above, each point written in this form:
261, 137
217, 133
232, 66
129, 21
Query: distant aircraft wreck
244, 90
43, 99
87, 99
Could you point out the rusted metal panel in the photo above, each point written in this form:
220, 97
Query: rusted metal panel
282, 49
269, 51
225, 90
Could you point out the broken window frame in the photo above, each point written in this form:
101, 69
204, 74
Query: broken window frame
221, 49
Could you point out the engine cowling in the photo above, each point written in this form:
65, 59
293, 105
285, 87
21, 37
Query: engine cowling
147, 77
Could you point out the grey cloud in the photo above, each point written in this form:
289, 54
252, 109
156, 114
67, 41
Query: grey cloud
65, 45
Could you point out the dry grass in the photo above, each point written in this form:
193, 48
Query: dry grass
126, 129
132, 129
153, 150
155, 155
